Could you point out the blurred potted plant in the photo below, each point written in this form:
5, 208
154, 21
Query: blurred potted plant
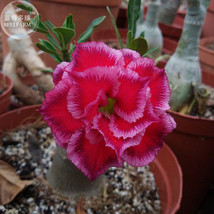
192, 140
91, 9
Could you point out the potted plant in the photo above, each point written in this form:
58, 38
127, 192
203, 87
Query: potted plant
192, 140
6, 86
165, 167
91, 10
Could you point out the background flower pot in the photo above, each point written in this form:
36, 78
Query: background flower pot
83, 12
169, 45
208, 29
173, 31
207, 59
193, 144
165, 167
5, 96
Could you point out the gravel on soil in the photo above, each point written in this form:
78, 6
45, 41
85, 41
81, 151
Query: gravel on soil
30, 150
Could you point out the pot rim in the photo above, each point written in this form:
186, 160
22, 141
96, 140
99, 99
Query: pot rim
96, 3
9, 88
204, 41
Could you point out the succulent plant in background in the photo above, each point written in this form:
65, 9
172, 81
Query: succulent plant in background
167, 11
183, 68
151, 29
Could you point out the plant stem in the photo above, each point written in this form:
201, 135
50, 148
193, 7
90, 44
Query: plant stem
153, 33
65, 55
183, 68
168, 11
115, 28
69, 181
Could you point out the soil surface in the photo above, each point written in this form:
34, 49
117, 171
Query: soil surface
30, 150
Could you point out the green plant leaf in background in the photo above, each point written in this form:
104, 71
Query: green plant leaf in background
45, 48
65, 35
85, 36
140, 45
133, 15
37, 25
48, 45
25, 7
68, 23
129, 39
115, 27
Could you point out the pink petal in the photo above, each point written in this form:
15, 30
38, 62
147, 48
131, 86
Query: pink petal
159, 86
152, 141
129, 56
124, 129
101, 123
92, 54
55, 112
92, 159
91, 90
59, 71
131, 98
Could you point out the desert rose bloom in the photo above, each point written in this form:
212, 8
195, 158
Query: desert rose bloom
108, 106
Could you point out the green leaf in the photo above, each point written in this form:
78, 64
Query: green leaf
37, 25
56, 57
68, 23
142, 34
129, 39
84, 37
72, 48
133, 15
48, 70
50, 26
115, 28
44, 48
65, 35
25, 7
150, 51
48, 45
53, 41
140, 45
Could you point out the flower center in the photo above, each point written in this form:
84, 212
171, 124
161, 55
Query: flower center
109, 108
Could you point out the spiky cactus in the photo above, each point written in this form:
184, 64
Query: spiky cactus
183, 68
168, 11
150, 28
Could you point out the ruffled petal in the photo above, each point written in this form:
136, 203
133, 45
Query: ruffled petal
59, 72
92, 54
129, 56
92, 159
143, 66
101, 123
131, 97
56, 114
152, 141
90, 91
159, 86
124, 129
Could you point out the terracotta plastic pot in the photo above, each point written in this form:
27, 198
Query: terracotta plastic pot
173, 31
5, 96
207, 60
83, 12
168, 176
108, 35
169, 45
193, 144
208, 29
165, 167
